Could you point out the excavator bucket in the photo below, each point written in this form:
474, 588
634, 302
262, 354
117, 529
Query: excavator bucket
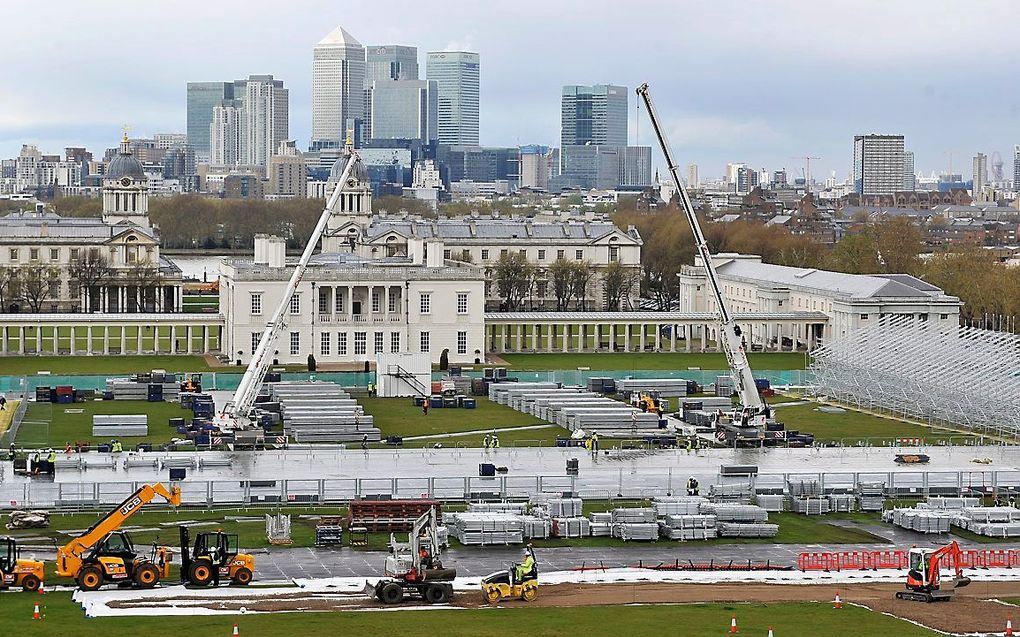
960, 582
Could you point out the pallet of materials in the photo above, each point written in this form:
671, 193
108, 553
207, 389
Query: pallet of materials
537, 528
329, 531
732, 493
920, 520
678, 505
565, 507
771, 503
725, 512
517, 508
571, 527
688, 527
840, 503
636, 531
389, 515
870, 496
664, 387
482, 529
500, 392
637, 515
752, 530
120, 425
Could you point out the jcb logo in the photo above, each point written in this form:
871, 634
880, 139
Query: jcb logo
131, 505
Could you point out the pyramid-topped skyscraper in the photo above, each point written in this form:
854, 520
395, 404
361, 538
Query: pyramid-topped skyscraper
338, 78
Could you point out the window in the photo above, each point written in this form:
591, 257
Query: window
255, 337
541, 255
578, 254
560, 254
338, 304
424, 342
256, 303
341, 344
323, 302
54, 254
864, 317
295, 343
462, 302
54, 288
485, 255
33, 254
466, 255
14, 254
504, 252
392, 303
295, 304
542, 289
944, 317
376, 302
359, 343
462, 342
426, 303
614, 253
324, 340
74, 253
780, 304
523, 253
394, 342
379, 342
447, 254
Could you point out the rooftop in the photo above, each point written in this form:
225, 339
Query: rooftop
31, 225
338, 37
488, 228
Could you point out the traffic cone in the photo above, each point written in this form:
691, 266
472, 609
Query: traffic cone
837, 603
35, 612
1009, 625
733, 625
770, 632
42, 588
235, 633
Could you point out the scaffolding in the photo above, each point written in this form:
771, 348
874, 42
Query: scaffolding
950, 376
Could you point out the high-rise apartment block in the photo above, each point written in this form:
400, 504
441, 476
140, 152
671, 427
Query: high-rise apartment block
878, 164
338, 87
909, 177
404, 109
390, 62
693, 180
536, 166
226, 140
980, 176
456, 74
266, 117
203, 97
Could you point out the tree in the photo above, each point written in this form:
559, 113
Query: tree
91, 271
514, 275
580, 280
855, 254
560, 275
898, 243
616, 282
34, 285
8, 284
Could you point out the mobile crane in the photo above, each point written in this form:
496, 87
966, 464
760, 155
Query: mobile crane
414, 568
746, 423
214, 556
15, 571
237, 412
924, 579
102, 554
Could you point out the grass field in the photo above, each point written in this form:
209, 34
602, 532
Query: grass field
649, 360
50, 425
400, 417
89, 365
7, 415
64, 617
851, 426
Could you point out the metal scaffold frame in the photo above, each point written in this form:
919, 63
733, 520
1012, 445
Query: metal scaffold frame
953, 376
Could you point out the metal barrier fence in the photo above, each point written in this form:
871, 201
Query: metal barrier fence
877, 560
601, 486
12, 432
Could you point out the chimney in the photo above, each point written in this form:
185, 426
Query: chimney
261, 249
276, 251
44, 229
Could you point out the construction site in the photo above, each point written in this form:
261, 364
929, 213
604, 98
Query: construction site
878, 492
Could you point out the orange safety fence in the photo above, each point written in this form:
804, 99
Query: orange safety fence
875, 560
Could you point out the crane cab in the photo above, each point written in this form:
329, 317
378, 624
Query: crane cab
215, 556
115, 561
14, 571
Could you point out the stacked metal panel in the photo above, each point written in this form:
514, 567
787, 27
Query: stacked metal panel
601, 524
128, 389
640, 515
723, 386
920, 520
688, 527
565, 507
636, 531
571, 527
810, 505
725, 512
840, 503
321, 412
478, 529
678, 505
801, 488
1001, 522
537, 528
871, 496
120, 426
737, 493
500, 392
771, 503
665, 387
936, 502
736, 529
517, 508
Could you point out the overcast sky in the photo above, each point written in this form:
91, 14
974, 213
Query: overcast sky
755, 81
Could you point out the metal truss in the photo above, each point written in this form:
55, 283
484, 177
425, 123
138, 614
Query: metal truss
960, 377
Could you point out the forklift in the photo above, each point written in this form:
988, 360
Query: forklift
214, 556
14, 571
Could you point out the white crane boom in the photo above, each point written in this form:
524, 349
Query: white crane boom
237, 412
754, 409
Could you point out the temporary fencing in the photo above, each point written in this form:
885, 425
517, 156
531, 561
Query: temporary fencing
876, 560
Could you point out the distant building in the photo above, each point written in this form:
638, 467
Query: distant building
266, 120
692, 176
593, 115
909, 178
203, 97
603, 167
338, 83
480, 164
878, 164
288, 177
404, 109
390, 62
536, 166
226, 135
456, 74
980, 176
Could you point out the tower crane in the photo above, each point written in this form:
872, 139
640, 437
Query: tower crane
237, 413
747, 422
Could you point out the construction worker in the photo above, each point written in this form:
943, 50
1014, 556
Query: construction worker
14, 450
425, 407
525, 568
116, 447
36, 461
51, 459
594, 443
692, 486
364, 441
495, 441
486, 441
689, 444
371, 390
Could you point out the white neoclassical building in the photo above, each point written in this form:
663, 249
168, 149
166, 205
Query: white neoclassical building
848, 300
350, 307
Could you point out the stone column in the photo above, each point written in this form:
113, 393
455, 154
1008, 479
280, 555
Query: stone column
704, 337
626, 337
56, 339
123, 340
565, 338
106, 340
550, 331
38, 339
3, 339
205, 339
155, 338
138, 338
173, 339
519, 329
350, 306
73, 342
386, 302
658, 336
88, 339
187, 348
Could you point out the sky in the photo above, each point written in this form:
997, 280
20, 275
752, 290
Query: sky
762, 82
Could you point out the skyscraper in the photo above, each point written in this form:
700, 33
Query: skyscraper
878, 164
980, 176
266, 117
202, 98
404, 109
338, 87
909, 178
692, 176
1016, 166
390, 62
593, 115
456, 74
226, 141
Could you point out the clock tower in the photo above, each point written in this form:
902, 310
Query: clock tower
125, 189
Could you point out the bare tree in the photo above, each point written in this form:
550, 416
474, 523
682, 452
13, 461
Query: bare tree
514, 275
580, 282
8, 284
561, 275
35, 285
91, 272
617, 282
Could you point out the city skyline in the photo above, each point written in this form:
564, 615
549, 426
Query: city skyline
520, 88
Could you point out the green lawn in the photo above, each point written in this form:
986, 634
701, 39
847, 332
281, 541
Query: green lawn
649, 360
88, 365
64, 617
50, 425
400, 417
852, 426
7, 415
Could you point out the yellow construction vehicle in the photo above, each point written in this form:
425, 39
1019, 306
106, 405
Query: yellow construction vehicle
14, 571
520, 581
102, 554
214, 556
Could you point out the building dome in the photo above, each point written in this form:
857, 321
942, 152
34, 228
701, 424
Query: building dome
359, 172
125, 165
